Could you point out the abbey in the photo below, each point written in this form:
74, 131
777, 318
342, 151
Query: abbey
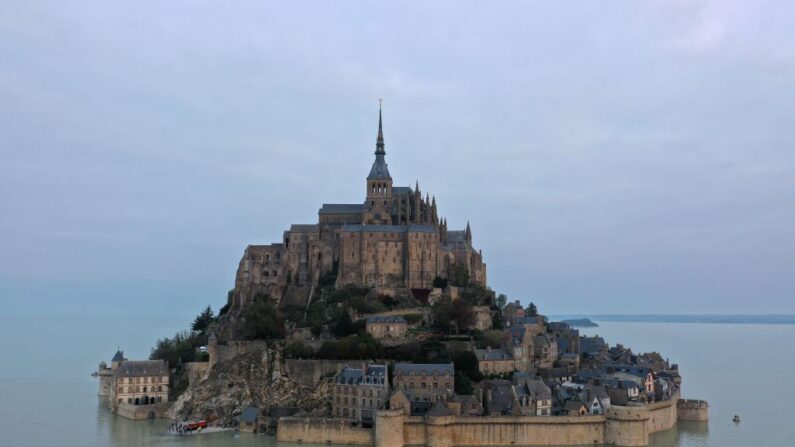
394, 238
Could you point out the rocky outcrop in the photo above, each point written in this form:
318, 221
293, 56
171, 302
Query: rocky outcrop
256, 377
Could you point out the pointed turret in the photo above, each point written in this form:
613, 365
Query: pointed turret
379, 141
379, 170
434, 216
468, 234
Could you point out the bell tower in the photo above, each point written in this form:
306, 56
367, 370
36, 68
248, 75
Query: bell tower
379, 184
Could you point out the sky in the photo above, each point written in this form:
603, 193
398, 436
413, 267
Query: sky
611, 157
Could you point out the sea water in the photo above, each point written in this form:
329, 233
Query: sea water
48, 397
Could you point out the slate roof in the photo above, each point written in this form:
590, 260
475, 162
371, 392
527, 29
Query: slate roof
456, 236
414, 228
350, 376
303, 228
401, 190
501, 395
427, 369
439, 409
118, 356
573, 405
493, 354
142, 368
592, 345
355, 376
379, 171
397, 319
527, 320
341, 208
538, 390
250, 414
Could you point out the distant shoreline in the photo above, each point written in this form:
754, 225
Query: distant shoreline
686, 318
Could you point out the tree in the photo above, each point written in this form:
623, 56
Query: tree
263, 320
439, 282
459, 275
344, 325
203, 320
463, 315
442, 314
532, 311
502, 300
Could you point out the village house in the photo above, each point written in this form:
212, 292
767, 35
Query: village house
574, 407
386, 327
545, 351
494, 361
512, 312
359, 392
519, 342
465, 405
534, 397
499, 398
139, 382
426, 382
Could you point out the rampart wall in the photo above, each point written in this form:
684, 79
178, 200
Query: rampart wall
323, 431
620, 426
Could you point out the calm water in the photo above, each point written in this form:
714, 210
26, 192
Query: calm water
47, 397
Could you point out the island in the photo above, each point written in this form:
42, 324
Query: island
580, 322
376, 326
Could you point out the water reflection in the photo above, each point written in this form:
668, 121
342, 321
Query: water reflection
686, 433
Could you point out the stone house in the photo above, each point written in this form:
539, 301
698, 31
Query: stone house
534, 397
425, 382
386, 327
482, 317
499, 398
545, 350
494, 361
358, 393
465, 405
512, 312
519, 342
574, 407
139, 382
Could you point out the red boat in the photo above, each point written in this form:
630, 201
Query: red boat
195, 425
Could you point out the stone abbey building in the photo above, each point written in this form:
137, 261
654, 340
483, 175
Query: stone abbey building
394, 238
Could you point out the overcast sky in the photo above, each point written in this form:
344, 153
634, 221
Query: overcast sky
612, 157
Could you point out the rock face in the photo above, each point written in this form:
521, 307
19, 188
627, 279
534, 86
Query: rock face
256, 378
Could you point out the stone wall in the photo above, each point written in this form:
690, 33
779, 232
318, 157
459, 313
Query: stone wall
692, 410
140, 412
620, 426
323, 431
662, 416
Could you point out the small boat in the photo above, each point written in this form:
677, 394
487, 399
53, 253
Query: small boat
736, 419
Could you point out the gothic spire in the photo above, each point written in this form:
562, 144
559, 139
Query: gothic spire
379, 141
468, 233
379, 171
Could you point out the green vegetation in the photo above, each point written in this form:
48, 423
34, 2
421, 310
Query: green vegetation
353, 347
448, 316
203, 321
532, 310
459, 276
261, 319
180, 348
298, 350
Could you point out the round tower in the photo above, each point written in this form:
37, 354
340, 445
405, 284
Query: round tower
389, 428
212, 350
